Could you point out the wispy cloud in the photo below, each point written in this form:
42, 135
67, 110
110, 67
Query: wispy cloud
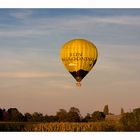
30, 75
120, 20
46, 25
61, 84
21, 14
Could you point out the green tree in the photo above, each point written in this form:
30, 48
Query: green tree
14, 115
122, 111
131, 121
51, 118
62, 115
74, 115
1, 114
127, 121
98, 116
5, 115
87, 118
136, 113
106, 110
27, 117
37, 117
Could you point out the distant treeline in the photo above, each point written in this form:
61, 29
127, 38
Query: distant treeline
73, 115
71, 120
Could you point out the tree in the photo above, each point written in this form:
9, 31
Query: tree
87, 118
106, 110
98, 116
128, 121
62, 115
51, 118
122, 111
136, 111
37, 117
5, 115
137, 115
74, 109
14, 115
131, 121
74, 115
1, 114
27, 117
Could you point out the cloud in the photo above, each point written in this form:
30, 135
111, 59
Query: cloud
37, 26
30, 75
61, 84
21, 14
120, 20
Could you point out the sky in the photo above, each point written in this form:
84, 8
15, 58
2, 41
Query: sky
33, 78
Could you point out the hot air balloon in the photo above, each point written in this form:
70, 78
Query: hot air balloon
79, 56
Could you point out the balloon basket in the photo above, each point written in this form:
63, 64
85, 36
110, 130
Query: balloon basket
78, 84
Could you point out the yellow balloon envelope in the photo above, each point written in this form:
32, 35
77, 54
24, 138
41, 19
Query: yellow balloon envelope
79, 56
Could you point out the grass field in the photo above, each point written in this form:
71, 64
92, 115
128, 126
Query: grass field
60, 127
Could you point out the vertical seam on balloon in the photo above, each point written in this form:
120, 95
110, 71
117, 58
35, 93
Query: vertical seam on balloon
78, 50
73, 46
92, 52
80, 61
84, 50
68, 46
